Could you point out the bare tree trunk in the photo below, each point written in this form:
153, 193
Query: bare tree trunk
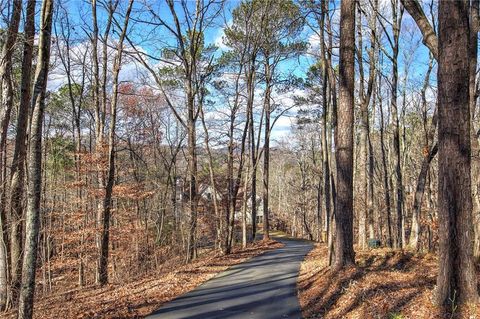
365, 145
332, 131
331, 237
266, 150
431, 151
5, 113
362, 161
456, 281
210, 169
253, 155
244, 209
397, 22
100, 101
107, 201
325, 127
418, 197
233, 182
344, 254
17, 174
192, 168
429, 37
474, 20
385, 169
34, 188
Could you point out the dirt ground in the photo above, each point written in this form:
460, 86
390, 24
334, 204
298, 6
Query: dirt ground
139, 298
384, 284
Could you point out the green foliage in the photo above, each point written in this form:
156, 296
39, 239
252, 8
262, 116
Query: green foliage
60, 100
60, 154
194, 53
395, 315
266, 27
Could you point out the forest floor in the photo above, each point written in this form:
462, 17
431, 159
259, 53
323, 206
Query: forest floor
140, 298
385, 284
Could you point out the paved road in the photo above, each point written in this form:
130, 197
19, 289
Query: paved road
262, 288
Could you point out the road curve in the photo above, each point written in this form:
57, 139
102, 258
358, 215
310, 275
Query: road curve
263, 287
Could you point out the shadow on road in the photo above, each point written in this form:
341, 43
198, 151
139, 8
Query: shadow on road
261, 288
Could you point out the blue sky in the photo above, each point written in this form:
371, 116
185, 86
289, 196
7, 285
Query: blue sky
152, 39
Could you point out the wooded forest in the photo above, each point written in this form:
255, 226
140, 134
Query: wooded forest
139, 136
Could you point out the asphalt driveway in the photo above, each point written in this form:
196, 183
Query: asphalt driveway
262, 288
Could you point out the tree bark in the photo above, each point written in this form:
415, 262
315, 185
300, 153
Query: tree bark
344, 254
365, 145
107, 200
266, 150
34, 188
5, 113
422, 176
473, 51
397, 22
325, 127
386, 184
429, 37
418, 197
456, 281
253, 153
17, 174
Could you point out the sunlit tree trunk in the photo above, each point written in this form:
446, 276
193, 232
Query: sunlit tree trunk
344, 254
15, 221
107, 200
429, 153
17, 173
473, 51
456, 280
34, 187
364, 219
386, 184
397, 14
266, 150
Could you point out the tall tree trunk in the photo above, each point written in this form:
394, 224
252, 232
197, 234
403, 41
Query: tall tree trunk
385, 174
456, 281
5, 113
332, 131
325, 126
192, 171
17, 174
397, 22
474, 22
244, 208
100, 101
34, 188
362, 161
210, 168
107, 200
344, 254
430, 152
418, 197
233, 182
365, 145
253, 155
266, 150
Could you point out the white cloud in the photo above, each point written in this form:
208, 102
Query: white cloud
219, 42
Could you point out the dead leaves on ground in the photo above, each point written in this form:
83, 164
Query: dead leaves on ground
385, 284
139, 298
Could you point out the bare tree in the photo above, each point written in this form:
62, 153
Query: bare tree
107, 201
7, 97
366, 160
344, 254
34, 187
